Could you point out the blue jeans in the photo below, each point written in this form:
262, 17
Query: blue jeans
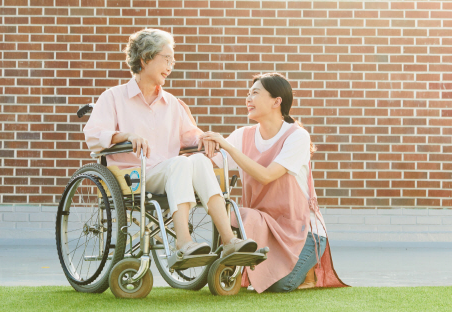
306, 261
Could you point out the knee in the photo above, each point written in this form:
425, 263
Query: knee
279, 287
181, 162
200, 160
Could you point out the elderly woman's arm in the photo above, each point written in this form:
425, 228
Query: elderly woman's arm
101, 130
191, 135
102, 124
138, 142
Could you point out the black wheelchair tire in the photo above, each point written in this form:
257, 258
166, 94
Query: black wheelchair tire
102, 284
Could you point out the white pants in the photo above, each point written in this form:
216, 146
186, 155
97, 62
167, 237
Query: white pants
179, 177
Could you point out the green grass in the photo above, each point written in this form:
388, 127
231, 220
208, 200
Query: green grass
168, 299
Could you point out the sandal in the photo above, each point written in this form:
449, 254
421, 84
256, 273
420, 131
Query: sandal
192, 249
239, 245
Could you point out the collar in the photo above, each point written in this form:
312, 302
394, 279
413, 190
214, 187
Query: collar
133, 90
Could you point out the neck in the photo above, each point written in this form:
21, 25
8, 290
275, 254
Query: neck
270, 127
147, 87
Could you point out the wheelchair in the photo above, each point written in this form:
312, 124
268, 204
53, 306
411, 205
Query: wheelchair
107, 227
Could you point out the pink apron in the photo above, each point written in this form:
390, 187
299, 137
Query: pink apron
279, 217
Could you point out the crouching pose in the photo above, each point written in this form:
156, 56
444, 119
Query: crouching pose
156, 123
280, 206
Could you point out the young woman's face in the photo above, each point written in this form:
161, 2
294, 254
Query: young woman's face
259, 102
157, 69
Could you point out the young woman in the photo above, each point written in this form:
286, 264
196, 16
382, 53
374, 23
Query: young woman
279, 200
157, 124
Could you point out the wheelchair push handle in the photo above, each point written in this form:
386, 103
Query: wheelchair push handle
82, 111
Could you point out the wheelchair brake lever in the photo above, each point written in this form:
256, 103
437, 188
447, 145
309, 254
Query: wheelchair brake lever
128, 180
233, 182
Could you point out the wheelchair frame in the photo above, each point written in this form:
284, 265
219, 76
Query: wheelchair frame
147, 198
223, 271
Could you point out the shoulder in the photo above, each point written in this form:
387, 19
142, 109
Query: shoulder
238, 133
173, 103
170, 99
301, 132
299, 141
299, 135
236, 137
113, 93
246, 128
106, 99
117, 90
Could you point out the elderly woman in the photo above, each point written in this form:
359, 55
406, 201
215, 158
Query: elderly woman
280, 206
156, 123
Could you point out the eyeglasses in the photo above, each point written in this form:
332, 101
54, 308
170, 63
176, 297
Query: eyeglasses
169, 60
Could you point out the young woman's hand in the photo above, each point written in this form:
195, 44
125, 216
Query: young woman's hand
139, 144
218, 139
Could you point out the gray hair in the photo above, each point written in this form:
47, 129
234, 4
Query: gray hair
144, 45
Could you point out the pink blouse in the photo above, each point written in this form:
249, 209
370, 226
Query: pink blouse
163, 123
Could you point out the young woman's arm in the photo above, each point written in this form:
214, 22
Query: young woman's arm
187, 109
263, 175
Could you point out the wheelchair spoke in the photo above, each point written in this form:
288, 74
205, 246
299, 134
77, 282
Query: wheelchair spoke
200, 236
76, 246
200, 227
83, 255
94, 246
204, 223
72, 240
73, 230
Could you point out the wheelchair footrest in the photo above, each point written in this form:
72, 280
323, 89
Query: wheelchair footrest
246, 258
176, 262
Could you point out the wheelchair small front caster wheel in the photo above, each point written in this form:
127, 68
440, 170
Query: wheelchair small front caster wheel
221, 280
122, 288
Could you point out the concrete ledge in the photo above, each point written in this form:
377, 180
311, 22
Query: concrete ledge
405, 225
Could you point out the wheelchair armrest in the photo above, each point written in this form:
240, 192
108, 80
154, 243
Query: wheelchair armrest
191, 149
123, 147
126, 147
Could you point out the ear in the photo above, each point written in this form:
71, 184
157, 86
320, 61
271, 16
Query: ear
277, 103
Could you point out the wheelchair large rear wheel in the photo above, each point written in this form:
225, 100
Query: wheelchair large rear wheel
88, 228
202, 229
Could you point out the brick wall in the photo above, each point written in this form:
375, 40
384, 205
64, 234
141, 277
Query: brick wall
372, 82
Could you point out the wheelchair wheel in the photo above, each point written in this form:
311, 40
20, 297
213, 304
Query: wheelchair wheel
221, 282
202, 229
88, 228
119, 275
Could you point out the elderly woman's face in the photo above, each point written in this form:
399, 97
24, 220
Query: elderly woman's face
160, 66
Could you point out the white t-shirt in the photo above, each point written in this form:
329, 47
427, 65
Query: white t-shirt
294, 156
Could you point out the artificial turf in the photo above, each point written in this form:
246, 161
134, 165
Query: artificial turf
51, 298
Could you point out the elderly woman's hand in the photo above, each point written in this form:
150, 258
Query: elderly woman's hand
139, 144
209, 146
218, 139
